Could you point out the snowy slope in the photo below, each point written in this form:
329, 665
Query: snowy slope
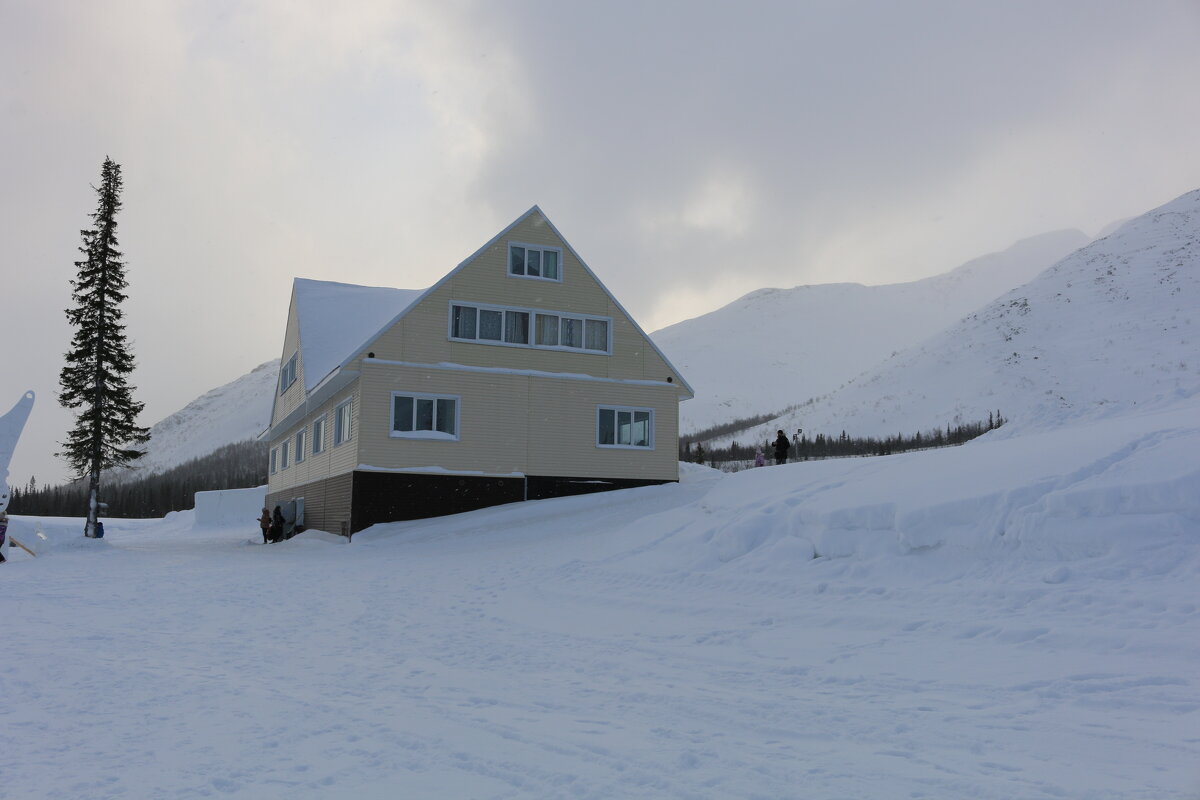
1110, 328
1014, 618
235, 412
777, 347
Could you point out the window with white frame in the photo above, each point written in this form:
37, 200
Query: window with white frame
318, 435
341, 423
299, 446
424, 416
534, 261
274, 460
511, 326
287, 375
283, 456
624, 426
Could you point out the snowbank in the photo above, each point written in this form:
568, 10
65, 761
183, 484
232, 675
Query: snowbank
1089, 491
230, 507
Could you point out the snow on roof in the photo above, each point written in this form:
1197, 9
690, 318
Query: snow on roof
337, 318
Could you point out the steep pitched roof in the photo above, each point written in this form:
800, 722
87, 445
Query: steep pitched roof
335, 318
353, 338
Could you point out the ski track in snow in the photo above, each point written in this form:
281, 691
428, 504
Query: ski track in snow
1028, 626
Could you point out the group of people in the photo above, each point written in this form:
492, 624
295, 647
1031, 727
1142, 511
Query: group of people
782, 446
272, 525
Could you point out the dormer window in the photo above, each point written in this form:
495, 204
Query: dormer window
532, 261
287, 375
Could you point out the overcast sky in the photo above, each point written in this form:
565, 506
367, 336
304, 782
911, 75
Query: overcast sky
691, 152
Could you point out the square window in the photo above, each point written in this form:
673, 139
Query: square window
596, 334
463, 322
572, 332
516, 327
491, 324
547, 330
402, 413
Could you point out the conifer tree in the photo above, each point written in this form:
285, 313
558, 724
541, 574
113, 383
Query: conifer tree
93, 380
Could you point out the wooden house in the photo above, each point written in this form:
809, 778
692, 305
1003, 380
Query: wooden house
517, 376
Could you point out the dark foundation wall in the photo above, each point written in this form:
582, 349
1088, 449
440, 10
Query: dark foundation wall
395, 496
541, 487
348, 503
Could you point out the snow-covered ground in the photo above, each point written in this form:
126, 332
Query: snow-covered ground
1015, 618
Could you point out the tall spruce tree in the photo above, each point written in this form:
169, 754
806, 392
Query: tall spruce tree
93, 380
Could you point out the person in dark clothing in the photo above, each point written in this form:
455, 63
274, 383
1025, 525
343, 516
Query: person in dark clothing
782, 445
3, 532
264, 522
277, 525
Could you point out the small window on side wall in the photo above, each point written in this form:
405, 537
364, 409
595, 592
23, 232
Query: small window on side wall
424, 416
287, 374
318, 436
625, 427
342, 431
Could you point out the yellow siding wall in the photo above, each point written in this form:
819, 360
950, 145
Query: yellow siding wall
288, 401
508, 423
517, 423
333, 460
423, 334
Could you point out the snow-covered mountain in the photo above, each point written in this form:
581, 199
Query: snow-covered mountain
235, 412
1110, 328
770, 349
777, 347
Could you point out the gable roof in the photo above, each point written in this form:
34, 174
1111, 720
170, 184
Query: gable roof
335, 318
352, 332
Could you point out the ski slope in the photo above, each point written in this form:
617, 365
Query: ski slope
1014, 618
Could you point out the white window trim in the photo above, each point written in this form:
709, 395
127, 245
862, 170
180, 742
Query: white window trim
337, 413
615, 408
532, 312
298, 446
318, 442
274, 460
440, 436
508, 261
284, 447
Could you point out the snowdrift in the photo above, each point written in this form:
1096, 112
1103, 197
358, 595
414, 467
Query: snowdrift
230, 507
1124, 492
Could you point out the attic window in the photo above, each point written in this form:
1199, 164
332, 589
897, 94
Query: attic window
550, 330
530, 261
287, 375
